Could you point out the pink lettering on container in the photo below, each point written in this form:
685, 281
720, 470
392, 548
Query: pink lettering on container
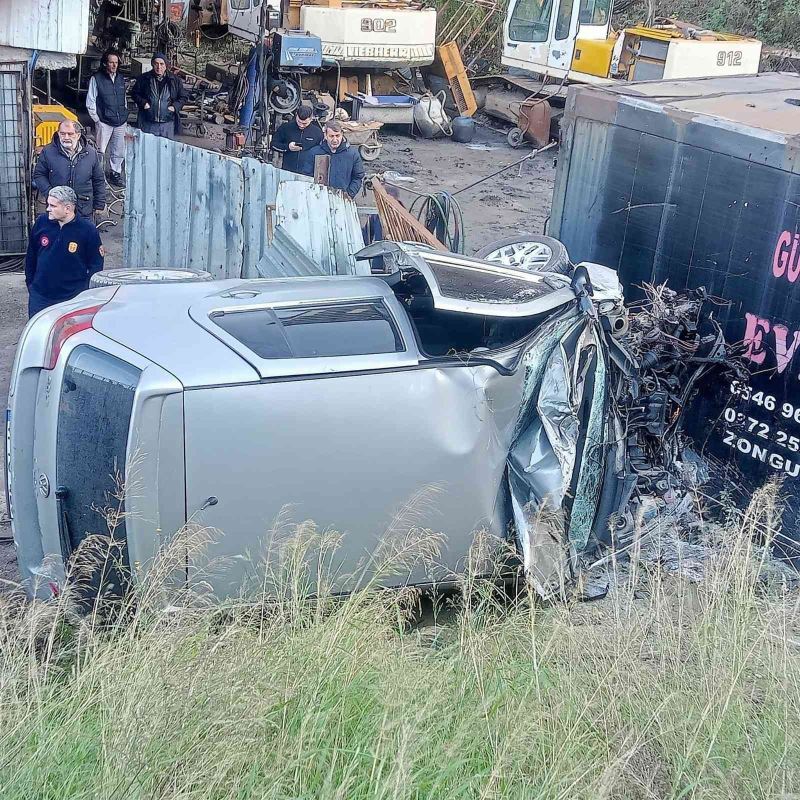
786, 259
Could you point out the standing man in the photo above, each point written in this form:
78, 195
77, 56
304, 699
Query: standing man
160, 97
295, 136
108, 107
64, 251
346, 169
69, 160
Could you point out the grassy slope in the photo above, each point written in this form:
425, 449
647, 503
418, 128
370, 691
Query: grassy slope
669, 691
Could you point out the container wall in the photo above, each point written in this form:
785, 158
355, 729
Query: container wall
661, 209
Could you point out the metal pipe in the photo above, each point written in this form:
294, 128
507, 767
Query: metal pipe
503, 169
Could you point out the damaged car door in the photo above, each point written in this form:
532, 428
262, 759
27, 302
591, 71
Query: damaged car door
378, 413
556, 339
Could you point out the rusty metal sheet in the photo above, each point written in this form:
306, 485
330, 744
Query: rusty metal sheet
400, 226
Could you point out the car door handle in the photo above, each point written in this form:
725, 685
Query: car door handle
513, 46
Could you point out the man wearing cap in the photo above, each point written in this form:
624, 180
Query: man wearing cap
295, 136
159, 96
64, 251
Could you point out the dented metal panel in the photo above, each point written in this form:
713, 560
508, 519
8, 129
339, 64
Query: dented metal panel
260, 198
284, 258
189, 207
183, 208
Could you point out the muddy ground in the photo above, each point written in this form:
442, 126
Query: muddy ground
514, 202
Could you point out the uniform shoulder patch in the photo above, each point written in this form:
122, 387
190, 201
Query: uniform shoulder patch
44, 241
72, 247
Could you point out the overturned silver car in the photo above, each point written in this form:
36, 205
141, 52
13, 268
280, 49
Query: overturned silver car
445, 393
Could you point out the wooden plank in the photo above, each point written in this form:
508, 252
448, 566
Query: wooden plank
322, 166
398, 224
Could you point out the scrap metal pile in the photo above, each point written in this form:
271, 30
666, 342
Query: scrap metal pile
673, 347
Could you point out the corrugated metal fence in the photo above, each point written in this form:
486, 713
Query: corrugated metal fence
189, 207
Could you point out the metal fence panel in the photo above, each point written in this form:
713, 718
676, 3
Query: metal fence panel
188, 207
183, 207
260, 199
13, 162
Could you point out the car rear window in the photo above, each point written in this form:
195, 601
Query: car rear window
314, 331
94, 413
486, 287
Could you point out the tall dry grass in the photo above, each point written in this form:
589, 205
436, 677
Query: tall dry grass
665, 689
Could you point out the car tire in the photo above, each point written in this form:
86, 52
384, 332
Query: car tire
118, 277
532, 253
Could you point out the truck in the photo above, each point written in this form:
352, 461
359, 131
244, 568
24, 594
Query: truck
696, 184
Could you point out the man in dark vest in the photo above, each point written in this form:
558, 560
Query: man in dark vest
159, 95
108, 107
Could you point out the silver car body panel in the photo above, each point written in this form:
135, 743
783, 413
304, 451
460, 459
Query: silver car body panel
154, 321
367, 445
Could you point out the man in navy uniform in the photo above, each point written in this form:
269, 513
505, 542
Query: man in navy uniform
64, 251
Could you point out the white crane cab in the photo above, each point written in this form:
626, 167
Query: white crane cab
573, 40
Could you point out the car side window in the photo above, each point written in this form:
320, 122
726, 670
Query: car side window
314, 331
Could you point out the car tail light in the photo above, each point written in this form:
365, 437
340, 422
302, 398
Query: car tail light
66, 326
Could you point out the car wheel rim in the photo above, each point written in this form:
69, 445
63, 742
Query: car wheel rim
153, 275
527, 255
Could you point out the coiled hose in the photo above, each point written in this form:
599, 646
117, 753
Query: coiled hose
442, 216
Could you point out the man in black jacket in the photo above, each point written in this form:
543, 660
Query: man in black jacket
108, 107
64, 251
159, 96
295, 136
69, 160
346, 169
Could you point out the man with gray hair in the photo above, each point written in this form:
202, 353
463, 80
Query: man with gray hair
64, 251
69, 160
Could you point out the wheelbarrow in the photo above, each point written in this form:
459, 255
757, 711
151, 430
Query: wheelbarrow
533, 123
364, 135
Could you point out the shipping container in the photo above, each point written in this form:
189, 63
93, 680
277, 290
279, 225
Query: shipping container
697, 183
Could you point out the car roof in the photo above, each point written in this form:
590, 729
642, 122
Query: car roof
168, 324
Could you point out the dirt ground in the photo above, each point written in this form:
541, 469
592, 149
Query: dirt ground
514, 202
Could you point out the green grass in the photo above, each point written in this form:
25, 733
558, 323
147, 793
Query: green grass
664, 690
